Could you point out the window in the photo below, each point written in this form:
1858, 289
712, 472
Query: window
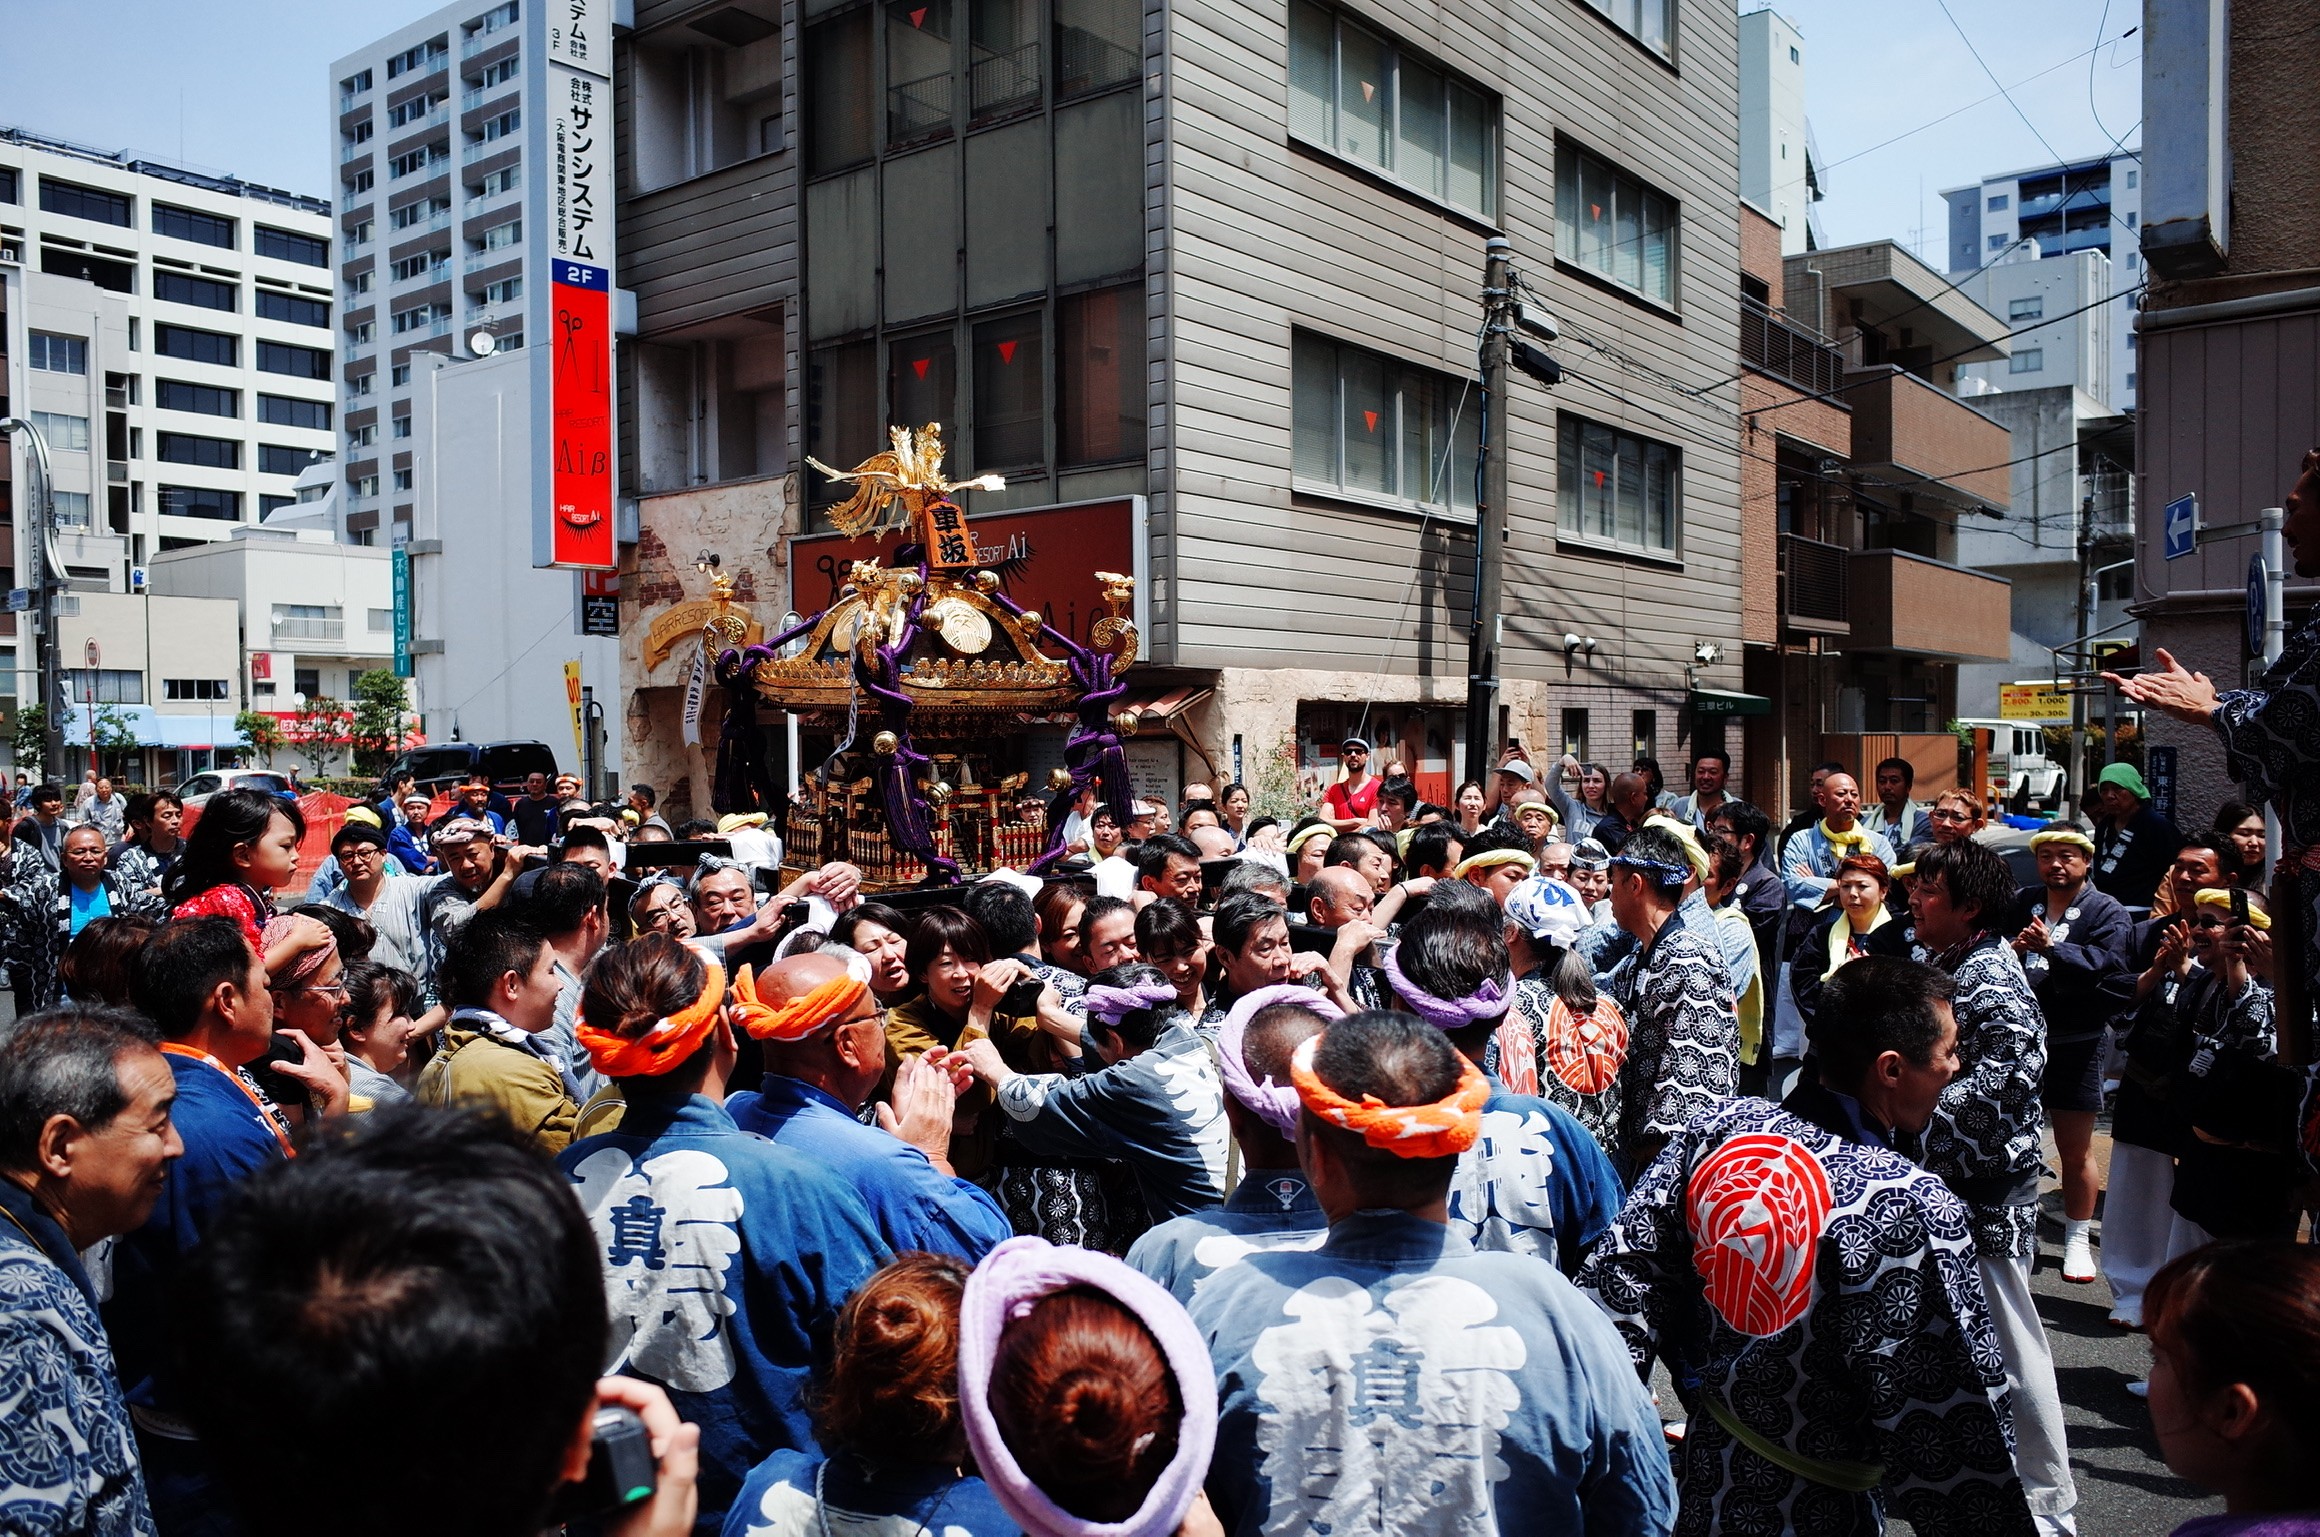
355, 84
275, 305
1010, 413
2026, 360
417, 265
361, 132
1644, 20
1998, 242
8, 192
1002, 58
2032, 308
1098, 44
55, 354
402, 480
380, 620
186, 448
401, 427
359, 284
492, 20
412, 111
207, 399
65, 434
201, 502
839, 97
417, 213
401, 375
501, 180
1369, 426
2131, 339
297, 362
2130, 381
497, 74
504, 124
274, 459
1353, 92
286, 245
190, 224
2131, 178
71, 507
922, 379
111, 685
1794, 58
1999, 202
363, 436
194, 688
705, 107
419, 57
363, 485
269, 505
1616, 489
1611, 224
500, 236
1575, 734
841, 409
116, 277
1646, 723
76, 201
184, 288
361, 384
1099, 376
918, 69
289, 411
412, 162
306, 681
418, 319
505, 291
360, 235
2134, 260
2132, 219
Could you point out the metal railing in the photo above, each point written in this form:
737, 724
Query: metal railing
1787, 350
1086, 62
309, 629
481, 198
917, 108
1813, 587
440, 112
356, 151
477, 151
1002, 82
439, 219
492, 257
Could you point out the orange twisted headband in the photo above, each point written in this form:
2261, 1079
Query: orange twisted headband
1440, 1130
799, 1017
662, 1047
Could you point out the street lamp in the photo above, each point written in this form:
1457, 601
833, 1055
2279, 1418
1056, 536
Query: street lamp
51, 576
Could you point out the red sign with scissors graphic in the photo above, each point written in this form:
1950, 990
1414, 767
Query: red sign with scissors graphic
581, 424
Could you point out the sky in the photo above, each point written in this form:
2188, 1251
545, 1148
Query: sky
243, 86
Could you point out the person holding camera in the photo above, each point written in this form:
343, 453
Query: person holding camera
423, 1269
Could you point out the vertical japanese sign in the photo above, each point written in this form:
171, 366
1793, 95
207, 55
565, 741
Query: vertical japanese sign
597, 602
572, 697
573, 312
401, 566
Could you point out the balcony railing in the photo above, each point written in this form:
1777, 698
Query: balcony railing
1814, 594
116, 397
310, 629
440, 112
476, 95
478, 260
117, 471
439, 219
1788, 351
1004, 81
356, 151
475, 152
917, 108
475, 42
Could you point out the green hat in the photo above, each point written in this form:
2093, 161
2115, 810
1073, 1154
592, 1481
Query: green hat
2128, 778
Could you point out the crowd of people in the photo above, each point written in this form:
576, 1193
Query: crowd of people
537, 1162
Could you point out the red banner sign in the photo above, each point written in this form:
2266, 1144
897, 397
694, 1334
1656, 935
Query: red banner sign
581, 426
1046, 556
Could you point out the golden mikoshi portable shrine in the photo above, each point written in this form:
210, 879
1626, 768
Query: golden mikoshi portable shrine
926, 675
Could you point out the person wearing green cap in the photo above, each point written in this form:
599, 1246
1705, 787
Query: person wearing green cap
2134, 845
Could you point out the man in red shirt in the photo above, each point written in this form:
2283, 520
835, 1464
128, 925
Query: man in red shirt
1350, 803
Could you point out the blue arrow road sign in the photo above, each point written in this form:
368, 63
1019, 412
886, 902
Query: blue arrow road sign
2182, 526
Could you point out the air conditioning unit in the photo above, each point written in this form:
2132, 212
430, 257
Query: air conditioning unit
139, 578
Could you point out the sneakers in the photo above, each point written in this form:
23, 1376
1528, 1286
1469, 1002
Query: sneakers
2078, 1252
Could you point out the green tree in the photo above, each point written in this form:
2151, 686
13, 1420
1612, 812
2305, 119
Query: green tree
318, 727
381, 700
262, 731
31, 723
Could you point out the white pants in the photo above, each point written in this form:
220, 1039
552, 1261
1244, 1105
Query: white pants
2040, 1457
2141, 1230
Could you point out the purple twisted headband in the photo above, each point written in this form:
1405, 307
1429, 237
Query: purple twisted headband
1276, 1104
1489, 1001
1005, 1286
1109, 1003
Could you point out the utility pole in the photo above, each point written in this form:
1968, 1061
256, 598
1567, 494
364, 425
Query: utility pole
51, 572
1490, 516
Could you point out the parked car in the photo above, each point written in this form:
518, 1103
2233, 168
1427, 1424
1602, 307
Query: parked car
442, 765
195, 792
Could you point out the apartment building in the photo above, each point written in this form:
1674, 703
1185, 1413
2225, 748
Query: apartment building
190, 397
1780, 170
430, 213
1203, 284
2089, 205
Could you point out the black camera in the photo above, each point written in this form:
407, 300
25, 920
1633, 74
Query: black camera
621, 1471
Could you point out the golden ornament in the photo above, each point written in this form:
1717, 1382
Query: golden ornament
885, 744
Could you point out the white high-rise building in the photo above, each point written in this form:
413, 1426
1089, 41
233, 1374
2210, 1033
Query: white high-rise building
431, 217
1779, 169
196, 386
2073, 347
2088, 205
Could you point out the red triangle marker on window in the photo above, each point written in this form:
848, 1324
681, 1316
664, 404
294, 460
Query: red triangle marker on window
918, 366
1006, 352
918, 17
1595, 210
1598, 480
1369, 420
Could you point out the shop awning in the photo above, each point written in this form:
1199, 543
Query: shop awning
151, 728
1170, 710
1721, 701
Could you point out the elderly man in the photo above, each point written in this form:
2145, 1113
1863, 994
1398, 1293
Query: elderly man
1453, 1391
45, 908
104, 811
1809, 863
2077, 948
1785, 1343
85, 1144
476, 878
824, 1039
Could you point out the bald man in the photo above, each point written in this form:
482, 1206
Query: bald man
820, 1070
1342, 898
1808, 866
1629, 798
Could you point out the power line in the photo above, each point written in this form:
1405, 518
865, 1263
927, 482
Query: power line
1986, 100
